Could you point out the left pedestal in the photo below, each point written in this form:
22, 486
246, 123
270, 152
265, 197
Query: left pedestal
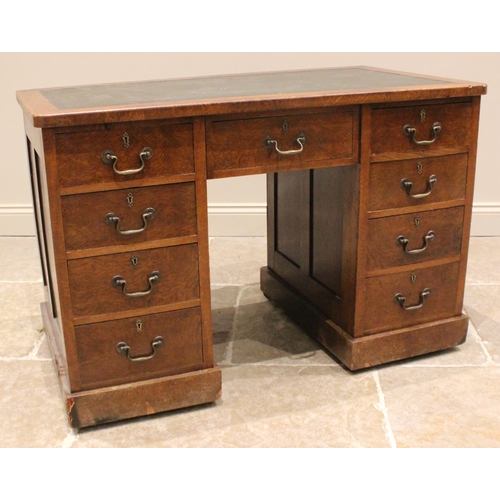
123, 237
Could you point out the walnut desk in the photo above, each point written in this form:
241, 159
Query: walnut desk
370, 184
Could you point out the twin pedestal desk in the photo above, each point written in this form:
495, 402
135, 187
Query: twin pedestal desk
370, 178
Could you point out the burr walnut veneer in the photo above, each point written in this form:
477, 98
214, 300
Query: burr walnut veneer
370, 184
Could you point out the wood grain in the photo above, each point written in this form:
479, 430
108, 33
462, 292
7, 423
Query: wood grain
237, 147
79, 153
384, 250
92, 292
84, 216
382, 311
101, 365
390, 143
386, 191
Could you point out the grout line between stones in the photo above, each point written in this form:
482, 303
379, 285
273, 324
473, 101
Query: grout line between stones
383, 408
475, 334
228, 355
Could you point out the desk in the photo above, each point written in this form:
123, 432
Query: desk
370, 184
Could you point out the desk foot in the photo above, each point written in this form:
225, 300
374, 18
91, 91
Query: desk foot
372, 350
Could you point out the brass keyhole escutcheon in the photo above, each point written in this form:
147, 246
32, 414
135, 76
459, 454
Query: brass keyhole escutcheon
420, 168
285, 127
422, 116
138, 326
135, 261
413, 277
130, 200
416, 221
126, 140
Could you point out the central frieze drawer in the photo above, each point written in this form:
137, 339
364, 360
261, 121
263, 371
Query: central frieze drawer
122, 152
285, 142
134, 280
129, 216
411, 238
139, 348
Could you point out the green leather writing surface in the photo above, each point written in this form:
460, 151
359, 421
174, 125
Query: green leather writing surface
234, 86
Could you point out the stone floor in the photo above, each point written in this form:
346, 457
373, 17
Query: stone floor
280, 389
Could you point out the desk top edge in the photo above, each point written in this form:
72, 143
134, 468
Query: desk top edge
224, 94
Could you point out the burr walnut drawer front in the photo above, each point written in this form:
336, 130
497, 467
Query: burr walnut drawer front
121, 152
409, 298
285, 142
139, 348
411, 238
129, 216
416, 182
134, 280
420, 129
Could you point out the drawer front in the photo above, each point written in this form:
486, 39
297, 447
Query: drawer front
411, 238
95, 291
388, 124
139, 348
416, 182
384, 311
237, 147
129, 216
81, 158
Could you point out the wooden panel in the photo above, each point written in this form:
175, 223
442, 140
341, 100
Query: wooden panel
327, 219
383, 312
84, 215
289, 205
101, 364
385, 251
389, 142
91, 286
79, 152
238, 147
100, 406
386, 191
312, 210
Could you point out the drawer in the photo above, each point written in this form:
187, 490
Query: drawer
129, 216
157, 149
114, 352
245, 146
386, 295
389, 137
416, 182
411, 238
94, 290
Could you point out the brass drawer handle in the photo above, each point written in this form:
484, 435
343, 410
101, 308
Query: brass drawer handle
411, 132
301, 139
119, 282
407, 184
404, 243
124, 348
401, 299
109, 157
111, 219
